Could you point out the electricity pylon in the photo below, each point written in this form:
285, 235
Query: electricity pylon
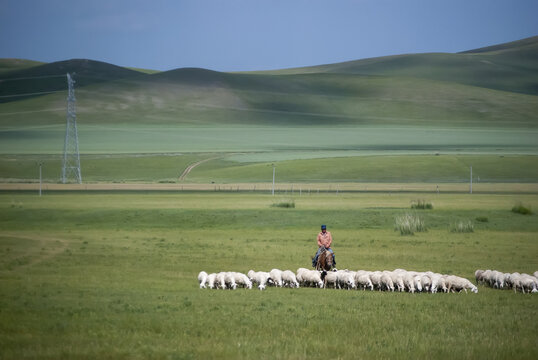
71, 161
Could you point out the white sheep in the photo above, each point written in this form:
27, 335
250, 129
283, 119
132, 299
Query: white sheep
375, 277
242, 280
507, 280
211, 280
289, 279
386, 281
486, 277
397, 280
362, 278
313, 278
529, 283
346, 279
438, 282
426, 282
229, 280
299, 276
409, 282
331, 279
202, 279
479, 276
418, 282
456, 283
261, 278
220, 280
497, 279
276, 276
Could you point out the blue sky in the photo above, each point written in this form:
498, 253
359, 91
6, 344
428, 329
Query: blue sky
232, 35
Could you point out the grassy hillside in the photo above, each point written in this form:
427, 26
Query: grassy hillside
51, 77
144, 71
8, 65
197, 97
423, 102
511, 67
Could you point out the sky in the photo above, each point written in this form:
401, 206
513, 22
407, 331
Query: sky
245, 35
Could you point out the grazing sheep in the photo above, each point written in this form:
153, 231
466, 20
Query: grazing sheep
507, 279
529, 283
418, 282
312, 278
362, 278
386, 281
497, 279
397, 280
486, 277
438, 283
299, 277
276, 276
229, 280
479, 276
456, 283
262, 279
426, 282
375, 277
516, 281
202, 279
242, 280
211, 280
409, 282
331, 279
289, 279
220, 280
346, 279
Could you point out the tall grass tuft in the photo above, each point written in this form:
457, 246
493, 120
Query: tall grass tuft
462, 227
284, 204
408, 224
519, 208
421, 204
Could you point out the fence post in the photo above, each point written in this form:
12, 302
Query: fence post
471, 183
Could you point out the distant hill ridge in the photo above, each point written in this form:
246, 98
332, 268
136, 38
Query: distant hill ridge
492, 86
510, 67
27, 79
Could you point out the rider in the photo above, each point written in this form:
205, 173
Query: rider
324, 239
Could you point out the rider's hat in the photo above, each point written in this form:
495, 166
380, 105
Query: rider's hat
323, 227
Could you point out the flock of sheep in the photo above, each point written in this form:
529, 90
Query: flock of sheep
398, 280
516, 281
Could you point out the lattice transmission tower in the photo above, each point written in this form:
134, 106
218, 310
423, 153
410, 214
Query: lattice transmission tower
71, 161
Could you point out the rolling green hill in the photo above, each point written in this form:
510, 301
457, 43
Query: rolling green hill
45, 78
511, 67
483, 100
8, 65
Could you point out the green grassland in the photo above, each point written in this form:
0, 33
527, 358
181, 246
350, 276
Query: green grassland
114, 276
224, 168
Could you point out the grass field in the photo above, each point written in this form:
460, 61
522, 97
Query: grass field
114, 276
246, 168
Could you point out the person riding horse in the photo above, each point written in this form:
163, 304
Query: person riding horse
325, 240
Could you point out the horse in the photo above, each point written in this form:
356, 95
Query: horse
325, 260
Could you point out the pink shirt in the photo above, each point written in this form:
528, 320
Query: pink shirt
325, 239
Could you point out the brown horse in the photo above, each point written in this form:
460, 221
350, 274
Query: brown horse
325, 260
